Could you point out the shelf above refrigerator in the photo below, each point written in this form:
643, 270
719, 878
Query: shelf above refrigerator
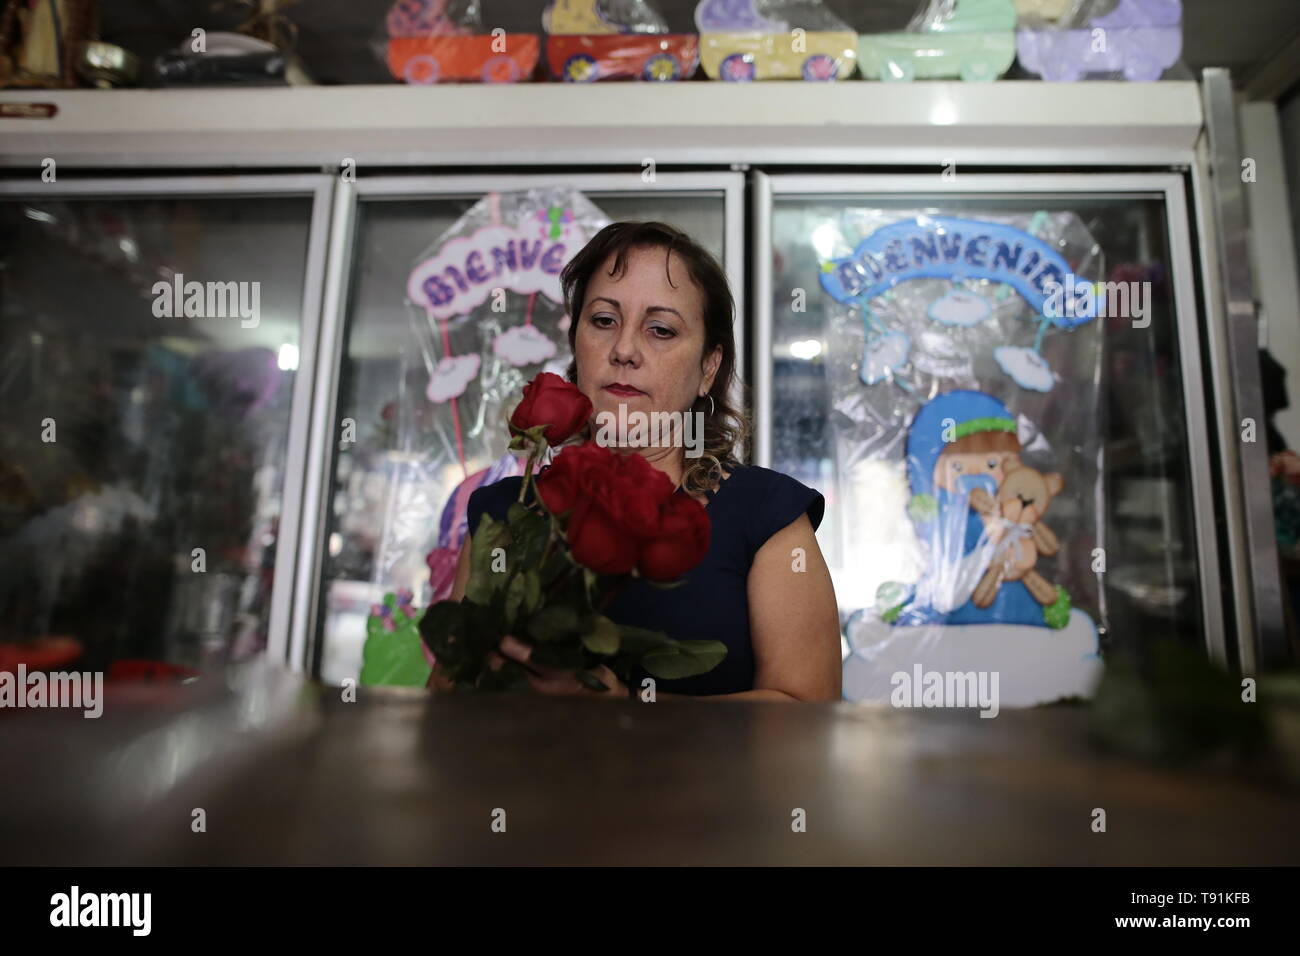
933, 123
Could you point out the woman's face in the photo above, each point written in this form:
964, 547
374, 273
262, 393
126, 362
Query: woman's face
642, 331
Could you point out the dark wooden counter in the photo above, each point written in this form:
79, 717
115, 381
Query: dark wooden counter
292, 774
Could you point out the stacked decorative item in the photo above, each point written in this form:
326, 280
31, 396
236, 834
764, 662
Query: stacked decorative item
1138, 40
426, 45
590, 40
973, 40
744, 40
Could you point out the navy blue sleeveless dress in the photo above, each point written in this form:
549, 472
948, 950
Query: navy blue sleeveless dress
750, 506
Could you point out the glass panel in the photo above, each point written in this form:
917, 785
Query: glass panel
385, 486
1111, 420
139, 429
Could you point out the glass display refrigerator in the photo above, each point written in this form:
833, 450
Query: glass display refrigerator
1022, 388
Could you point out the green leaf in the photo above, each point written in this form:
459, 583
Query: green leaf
636, 641
684, 659
523, 594
483, 580
515, 592
529, 532
602, 638
553, 623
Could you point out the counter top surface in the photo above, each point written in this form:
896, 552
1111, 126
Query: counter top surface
289, 773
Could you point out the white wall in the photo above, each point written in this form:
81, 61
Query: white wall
1272, 139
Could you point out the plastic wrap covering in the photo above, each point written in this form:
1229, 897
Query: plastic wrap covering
963, 367
743, 40
1139, 40
486, 315
443, 41
973, 40
591, 40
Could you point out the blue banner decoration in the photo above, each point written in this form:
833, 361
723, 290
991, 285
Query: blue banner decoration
948, 247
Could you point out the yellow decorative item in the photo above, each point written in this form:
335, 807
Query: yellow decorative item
744, 40
573, 17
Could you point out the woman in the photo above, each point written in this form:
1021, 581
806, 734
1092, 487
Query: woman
652, 330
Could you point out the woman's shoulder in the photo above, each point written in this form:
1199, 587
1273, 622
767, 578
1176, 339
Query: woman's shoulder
493, 499
771, 500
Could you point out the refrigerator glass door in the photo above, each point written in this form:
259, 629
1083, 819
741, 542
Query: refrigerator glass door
151, 334
395, 519
996, 386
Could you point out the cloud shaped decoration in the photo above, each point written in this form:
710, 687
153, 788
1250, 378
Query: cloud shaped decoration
452, 376
883, 355
1026, 367
523, 345
961, 308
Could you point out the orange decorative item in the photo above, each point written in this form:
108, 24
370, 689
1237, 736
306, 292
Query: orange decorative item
590, 40
426, 46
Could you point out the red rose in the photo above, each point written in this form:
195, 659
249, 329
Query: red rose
599, 542
550, 400
632, 491
623, 513
681, 543
566, 479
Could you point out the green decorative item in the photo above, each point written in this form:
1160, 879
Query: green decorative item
1057, 614
922, 508
393, 654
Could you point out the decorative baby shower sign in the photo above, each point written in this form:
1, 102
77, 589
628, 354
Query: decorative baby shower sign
976, 508
524, 258
959, 250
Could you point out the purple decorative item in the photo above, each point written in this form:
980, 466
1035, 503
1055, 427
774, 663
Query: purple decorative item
734, 16
1139, 39
454, 525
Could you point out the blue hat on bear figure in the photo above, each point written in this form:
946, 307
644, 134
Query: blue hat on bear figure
925, 438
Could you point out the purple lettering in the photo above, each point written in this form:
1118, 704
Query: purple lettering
460, 279
436, 291
1050, 273
923, 249
950, 246
977, 251
895, 257
474, 268
526, 258
553, 261
1003, 257
851, 278
503, 257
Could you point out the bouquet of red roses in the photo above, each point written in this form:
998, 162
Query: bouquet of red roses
596, 520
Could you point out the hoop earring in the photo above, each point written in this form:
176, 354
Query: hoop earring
710, 397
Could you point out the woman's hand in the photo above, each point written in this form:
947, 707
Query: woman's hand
438, 679
550, 680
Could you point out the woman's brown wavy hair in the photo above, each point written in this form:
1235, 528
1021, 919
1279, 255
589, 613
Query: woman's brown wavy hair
728, 426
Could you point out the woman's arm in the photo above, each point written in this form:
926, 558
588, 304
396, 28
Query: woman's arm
462, 571
794, 622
